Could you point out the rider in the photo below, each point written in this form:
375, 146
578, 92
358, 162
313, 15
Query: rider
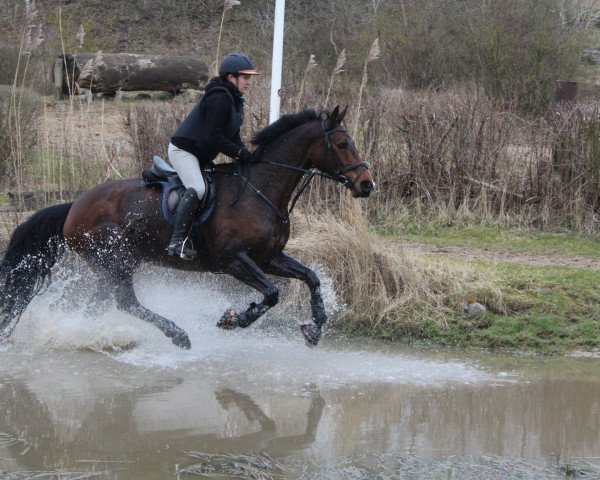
212, 127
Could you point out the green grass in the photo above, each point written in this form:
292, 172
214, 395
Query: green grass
515, 241
547, 309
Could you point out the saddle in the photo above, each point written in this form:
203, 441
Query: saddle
163, 175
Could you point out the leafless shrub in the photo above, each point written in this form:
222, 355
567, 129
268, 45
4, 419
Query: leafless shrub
564, 184
150, 125
442, 157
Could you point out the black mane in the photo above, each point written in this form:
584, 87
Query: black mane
283, 125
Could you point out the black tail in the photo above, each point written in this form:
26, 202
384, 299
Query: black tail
32, 252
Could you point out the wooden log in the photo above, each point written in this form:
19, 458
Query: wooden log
111, 72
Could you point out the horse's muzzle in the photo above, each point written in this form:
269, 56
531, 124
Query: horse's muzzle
366, 187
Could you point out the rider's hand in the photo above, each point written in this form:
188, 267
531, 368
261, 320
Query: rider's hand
244, 156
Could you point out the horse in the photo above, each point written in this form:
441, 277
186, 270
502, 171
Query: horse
117, 225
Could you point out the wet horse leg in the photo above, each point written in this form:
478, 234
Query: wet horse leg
245, 270
112, 254
288, 267
128, 302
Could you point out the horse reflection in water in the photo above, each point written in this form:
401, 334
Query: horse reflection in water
267, 437
119, 224
43, 433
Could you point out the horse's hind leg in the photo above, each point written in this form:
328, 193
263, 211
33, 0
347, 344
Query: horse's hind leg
128, 302
288, 267
245, 270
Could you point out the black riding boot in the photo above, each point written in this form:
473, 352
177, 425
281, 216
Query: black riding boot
180, 243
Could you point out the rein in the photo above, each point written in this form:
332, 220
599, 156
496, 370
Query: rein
312, 172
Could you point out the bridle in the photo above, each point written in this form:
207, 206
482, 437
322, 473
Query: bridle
340, 173
338, 176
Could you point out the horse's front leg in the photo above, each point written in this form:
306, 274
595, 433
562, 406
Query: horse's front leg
245, 270
285, 266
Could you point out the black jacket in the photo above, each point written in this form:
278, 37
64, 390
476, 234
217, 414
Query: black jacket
213, 125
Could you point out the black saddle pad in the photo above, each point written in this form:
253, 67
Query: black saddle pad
173, 184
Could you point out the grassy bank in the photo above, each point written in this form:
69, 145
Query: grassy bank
540, 308
537, 296
548, 309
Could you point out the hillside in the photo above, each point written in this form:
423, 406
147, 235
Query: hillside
510, 49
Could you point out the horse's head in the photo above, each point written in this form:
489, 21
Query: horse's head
336, 155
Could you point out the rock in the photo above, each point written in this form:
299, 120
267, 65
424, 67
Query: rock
473, 309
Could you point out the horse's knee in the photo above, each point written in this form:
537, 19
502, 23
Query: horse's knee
125, 297
272, 297
125, 301
312, 280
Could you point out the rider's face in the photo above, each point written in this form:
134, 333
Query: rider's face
242, 82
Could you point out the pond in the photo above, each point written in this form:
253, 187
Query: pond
89, 392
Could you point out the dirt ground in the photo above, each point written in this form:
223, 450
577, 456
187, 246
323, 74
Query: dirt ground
470, 253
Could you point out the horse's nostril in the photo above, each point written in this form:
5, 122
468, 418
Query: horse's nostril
367, 185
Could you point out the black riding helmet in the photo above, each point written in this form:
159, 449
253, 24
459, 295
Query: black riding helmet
236, 64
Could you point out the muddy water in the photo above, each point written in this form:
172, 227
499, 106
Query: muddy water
85, 389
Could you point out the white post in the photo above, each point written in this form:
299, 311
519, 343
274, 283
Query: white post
277, 62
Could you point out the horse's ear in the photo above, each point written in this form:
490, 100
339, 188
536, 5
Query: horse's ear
333, 117
342, 115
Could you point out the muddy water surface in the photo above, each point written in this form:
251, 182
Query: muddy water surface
259, 404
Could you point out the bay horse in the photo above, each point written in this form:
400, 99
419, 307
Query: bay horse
118, 224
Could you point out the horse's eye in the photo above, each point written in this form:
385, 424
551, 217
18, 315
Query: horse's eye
342, 145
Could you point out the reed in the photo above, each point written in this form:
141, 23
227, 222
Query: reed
17, 128
311, 65
227, 5
339, 68
371, 56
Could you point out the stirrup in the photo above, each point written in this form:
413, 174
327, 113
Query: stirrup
181, 251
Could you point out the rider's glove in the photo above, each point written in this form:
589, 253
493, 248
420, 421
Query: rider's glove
244, 156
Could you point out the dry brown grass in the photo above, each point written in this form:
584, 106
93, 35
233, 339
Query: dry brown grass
381, 288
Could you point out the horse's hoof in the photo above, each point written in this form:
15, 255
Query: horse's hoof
312, 334
182, 340
229, 320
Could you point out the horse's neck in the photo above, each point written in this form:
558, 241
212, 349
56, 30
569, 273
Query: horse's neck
292, 150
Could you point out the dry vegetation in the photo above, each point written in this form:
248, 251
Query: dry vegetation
384, 291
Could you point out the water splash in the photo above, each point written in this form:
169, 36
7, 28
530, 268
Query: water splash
77, 312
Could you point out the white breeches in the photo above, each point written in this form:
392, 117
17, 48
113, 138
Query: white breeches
188, 169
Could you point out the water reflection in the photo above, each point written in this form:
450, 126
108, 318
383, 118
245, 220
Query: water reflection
265, 436
143, 433
139, 423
